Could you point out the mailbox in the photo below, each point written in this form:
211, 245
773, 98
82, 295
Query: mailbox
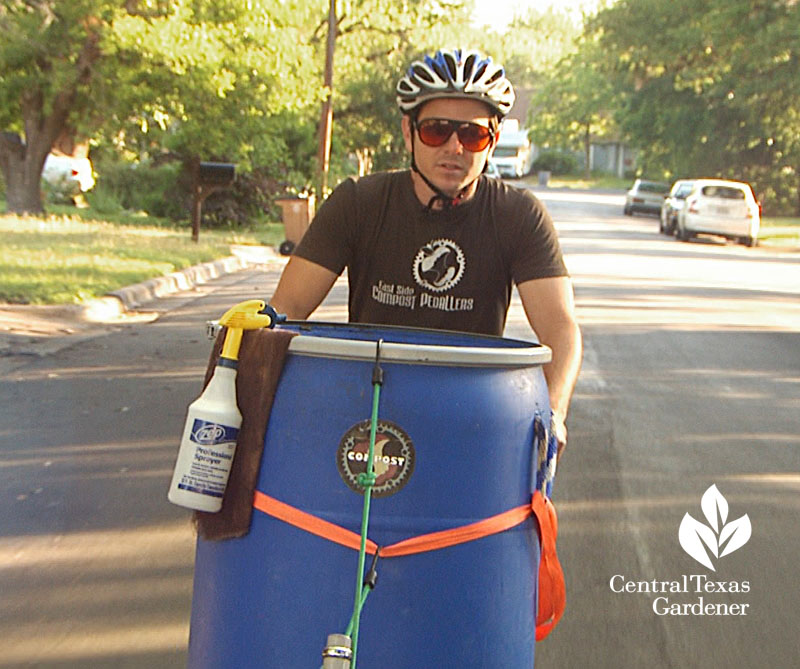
216, 174
208, 178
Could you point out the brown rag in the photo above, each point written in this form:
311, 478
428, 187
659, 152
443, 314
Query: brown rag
261, 358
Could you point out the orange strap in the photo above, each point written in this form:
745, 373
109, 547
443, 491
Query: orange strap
458, 535
552, 590
552, 593
310, 523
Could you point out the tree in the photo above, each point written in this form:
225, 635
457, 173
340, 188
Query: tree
715, 93
203, 77
48, 54
532, 45
575, 106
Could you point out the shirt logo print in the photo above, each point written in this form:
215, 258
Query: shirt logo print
439, 265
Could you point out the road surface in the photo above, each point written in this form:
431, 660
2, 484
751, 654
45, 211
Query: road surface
691, 380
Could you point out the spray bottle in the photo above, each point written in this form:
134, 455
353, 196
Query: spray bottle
213, 419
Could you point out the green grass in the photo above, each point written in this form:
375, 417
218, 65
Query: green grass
598, 181
780, 231
73, 255
71, 258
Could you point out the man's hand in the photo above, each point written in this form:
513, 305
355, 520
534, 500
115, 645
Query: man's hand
559, 430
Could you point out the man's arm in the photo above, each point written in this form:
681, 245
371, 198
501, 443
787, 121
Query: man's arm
302, 286
550, 307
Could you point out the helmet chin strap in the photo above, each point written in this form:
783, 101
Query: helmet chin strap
447, 201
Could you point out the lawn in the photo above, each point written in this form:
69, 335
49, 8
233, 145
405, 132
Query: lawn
70, 258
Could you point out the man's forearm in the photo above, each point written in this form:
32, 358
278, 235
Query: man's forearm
562, 371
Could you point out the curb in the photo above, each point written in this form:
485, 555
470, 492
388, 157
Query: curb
117, 302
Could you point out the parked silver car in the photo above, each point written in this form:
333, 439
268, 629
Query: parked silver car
672, 204
645, 196
724, 208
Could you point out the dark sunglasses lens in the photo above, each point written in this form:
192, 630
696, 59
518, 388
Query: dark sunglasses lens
435, 133
473, 137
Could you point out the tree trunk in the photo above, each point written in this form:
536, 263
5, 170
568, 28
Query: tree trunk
68, 144
798, 197
22, 170
587, 152
364, 156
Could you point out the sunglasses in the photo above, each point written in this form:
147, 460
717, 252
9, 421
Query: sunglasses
436, 131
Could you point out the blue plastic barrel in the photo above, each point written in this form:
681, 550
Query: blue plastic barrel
457, 445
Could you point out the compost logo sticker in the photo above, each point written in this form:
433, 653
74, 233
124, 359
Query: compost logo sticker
393, 458
701, 541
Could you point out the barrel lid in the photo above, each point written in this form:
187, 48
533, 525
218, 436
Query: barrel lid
414, 346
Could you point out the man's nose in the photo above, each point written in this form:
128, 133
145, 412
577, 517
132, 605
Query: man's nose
454, 144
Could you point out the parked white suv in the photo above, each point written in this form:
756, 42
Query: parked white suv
724, 208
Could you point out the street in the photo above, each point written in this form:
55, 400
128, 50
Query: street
691, 379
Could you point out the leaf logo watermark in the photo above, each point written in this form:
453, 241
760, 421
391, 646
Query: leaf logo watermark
719, 537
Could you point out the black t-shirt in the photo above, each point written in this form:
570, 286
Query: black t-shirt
449, 270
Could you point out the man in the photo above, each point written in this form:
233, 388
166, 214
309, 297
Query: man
439, 245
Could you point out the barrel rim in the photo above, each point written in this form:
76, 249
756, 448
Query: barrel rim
520, 353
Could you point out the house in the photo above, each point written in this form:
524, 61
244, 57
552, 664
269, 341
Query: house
611, 157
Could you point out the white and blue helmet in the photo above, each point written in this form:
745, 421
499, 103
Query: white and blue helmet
455, 74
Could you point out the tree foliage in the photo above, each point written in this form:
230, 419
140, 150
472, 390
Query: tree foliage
716, 92
240, 81
48, 54
206, 77
573, 108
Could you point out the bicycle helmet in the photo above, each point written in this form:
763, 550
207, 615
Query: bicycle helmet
455, 74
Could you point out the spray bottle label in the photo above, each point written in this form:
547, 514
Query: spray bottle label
211, 434
213, 455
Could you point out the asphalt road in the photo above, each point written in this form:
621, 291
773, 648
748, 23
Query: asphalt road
691, 379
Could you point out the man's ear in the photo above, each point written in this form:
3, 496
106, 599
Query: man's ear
407, 131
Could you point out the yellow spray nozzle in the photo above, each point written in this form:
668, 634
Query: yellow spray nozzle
247, 315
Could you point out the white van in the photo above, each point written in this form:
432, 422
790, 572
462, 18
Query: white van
512, 155
719, 207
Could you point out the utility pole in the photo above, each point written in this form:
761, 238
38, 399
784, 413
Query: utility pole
326, 121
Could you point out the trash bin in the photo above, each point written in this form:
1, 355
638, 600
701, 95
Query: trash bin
544, 178
297, 211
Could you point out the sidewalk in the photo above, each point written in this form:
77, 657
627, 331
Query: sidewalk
33, 330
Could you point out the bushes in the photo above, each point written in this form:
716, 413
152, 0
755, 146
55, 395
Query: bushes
141, 187
165, 191
555, 162
249, 199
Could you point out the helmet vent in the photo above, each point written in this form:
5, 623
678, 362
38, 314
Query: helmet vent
497, 75
422, 73
469, 65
